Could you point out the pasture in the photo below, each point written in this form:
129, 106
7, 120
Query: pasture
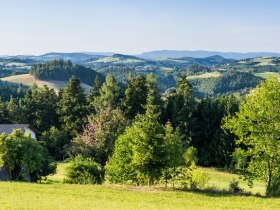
28, 80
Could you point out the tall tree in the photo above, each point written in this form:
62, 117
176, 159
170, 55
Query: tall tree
139, 152
93, 93
182, 106
154, 103
257, 126
109, 94
214, 144
39, 108
135, 96
71, 107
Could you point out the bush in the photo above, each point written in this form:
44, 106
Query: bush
84, 171
25, 157
199, 180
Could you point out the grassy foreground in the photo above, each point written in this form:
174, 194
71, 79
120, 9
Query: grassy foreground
55, 195
65, 196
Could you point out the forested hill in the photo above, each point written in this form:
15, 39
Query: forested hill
63, 70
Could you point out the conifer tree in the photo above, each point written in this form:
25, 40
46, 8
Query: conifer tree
109, 94
71, 107
135, 96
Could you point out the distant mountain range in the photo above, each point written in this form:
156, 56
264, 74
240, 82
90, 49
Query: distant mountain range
203, 54
83, 56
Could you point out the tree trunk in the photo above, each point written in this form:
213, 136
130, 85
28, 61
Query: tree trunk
268, 180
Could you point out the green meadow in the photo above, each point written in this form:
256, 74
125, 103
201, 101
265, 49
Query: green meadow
53, 194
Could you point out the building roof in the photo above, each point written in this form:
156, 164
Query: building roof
9, 128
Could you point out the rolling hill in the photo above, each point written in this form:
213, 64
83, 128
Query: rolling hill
28, 80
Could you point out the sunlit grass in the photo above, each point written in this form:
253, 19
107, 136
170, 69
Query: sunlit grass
15, 195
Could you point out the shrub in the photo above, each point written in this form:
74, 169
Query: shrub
25, 157
84, 171
199, 180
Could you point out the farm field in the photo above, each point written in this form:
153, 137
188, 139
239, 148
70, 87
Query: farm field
268, 74
206, 75
27, 79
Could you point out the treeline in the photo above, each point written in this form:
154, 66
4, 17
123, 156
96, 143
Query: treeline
89, 125
228, 82
140, 136
62, 70
8, 90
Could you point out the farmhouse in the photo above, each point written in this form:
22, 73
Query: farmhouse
8, 129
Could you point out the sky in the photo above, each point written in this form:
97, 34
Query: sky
136, 26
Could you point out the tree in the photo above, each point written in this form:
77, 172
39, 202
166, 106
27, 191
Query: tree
98, 137
135, 96
71, 107
139, 153
215, 145
3, 112
25, 157
14, 112
94, 93
39, 108
257, 126
56, 142
173, 151
183, 105
154, 105
109, 94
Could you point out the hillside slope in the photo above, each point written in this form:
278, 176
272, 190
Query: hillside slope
27, 79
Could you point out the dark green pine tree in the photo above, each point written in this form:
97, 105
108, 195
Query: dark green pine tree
183, 107
39, 108
3, 112
135, 96
71, 107
93, 93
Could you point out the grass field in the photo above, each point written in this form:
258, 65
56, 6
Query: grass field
27, 79
206, 75
15, 195
65, 196
268, 74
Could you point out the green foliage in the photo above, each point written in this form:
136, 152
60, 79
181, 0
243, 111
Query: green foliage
257, 127
8, 90
139, 153
63, 71
135, 96
57, 142
215, 145
84, 171
229, 82
98, 137
109, 95
71, 107
38, 108
181, 105
25, 157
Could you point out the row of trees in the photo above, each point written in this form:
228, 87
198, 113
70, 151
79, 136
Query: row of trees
141, 136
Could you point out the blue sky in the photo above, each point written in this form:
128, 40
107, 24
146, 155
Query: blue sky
135, 26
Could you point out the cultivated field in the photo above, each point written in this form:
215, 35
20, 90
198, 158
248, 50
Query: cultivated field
206, 75
27, 79
268, 74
